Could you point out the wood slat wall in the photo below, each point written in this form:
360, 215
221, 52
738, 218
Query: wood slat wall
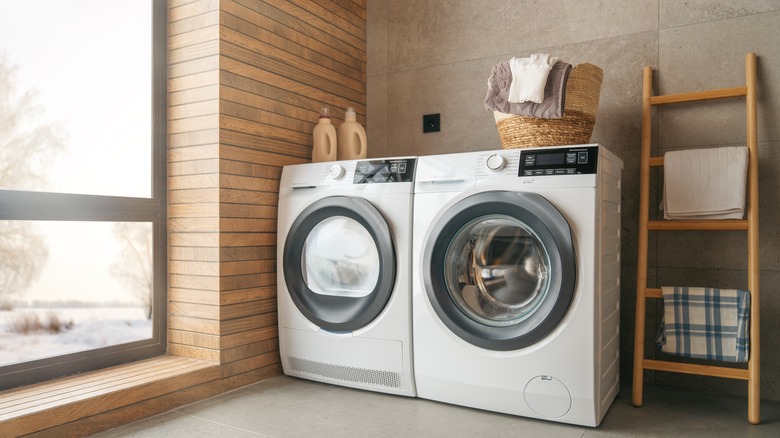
246, 81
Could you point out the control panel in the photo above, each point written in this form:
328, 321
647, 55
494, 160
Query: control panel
576, 160
384, 171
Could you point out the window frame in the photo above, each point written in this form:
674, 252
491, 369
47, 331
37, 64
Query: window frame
46, 206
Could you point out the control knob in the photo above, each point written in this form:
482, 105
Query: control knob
336, 171
495, 162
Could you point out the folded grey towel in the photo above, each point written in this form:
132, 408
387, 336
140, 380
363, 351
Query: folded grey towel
552, 107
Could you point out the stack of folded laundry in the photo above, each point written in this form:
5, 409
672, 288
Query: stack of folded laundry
534, 86
705, 183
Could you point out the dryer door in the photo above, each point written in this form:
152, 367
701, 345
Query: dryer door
500, 269
339, 263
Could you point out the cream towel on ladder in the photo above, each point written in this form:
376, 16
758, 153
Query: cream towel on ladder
705, 183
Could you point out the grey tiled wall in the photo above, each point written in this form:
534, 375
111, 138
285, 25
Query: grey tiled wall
434, 56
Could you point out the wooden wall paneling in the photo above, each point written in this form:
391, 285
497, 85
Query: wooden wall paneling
282, 151
309, 19
193, 145
179, 23
354, 12
323, 67
251, 294
200, 340
246, 337
315, 94
194, 296
290, 47
193, 179
254, 363
275, 98
276, 72
181, 9
289, 27
235, 282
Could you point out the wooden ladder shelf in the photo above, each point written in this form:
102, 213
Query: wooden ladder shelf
643, 293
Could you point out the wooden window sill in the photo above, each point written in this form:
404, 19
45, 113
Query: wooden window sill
51, 404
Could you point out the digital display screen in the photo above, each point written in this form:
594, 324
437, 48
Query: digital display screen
384, 171
576, 160
550, 159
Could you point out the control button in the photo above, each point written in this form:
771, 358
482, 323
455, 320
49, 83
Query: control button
538, 172
528, 173
495, 162
582, 157
571, 171
336, 171
571, 158
560, 171
549, 171
530, 160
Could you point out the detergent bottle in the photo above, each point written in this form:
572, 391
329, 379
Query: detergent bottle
351, 138
325, 145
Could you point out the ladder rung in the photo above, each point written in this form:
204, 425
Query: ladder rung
689, 368
710, 225
721, 93
653, 293
656, 161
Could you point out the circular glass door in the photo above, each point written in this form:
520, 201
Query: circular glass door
340, 259
497, 270
500, 269
339, 263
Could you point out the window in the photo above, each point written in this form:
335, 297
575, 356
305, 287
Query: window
82, 186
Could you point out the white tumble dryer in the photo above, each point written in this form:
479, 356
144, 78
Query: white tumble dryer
344, 281
516, 275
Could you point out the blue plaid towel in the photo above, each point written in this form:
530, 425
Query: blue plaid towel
705, 323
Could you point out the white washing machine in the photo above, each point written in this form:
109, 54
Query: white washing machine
344, 281
516, 273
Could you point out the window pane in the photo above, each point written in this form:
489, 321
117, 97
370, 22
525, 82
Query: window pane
80, 98
73, 286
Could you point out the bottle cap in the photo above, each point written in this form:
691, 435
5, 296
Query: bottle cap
350, 114
324, 113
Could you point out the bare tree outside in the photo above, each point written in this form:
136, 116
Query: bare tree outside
135, 268
27, 147
23, 252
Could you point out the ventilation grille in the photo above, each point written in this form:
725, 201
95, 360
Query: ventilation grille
339, 372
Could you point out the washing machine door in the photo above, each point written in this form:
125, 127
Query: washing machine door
500, 269
339, 263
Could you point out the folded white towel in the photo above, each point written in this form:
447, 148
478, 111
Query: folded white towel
705, 183
529, 75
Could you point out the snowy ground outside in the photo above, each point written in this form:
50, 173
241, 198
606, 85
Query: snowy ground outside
93, 327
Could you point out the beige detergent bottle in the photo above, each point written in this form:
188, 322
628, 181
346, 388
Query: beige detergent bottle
352, 138
325, 146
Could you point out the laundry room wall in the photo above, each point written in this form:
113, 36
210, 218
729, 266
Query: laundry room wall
435, 56
246, 81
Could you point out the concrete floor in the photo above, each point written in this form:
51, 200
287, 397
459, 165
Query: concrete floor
290, 407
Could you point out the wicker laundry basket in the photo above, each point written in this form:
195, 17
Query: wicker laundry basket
575, 127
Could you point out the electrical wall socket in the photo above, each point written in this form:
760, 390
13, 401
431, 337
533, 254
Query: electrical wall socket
431, 123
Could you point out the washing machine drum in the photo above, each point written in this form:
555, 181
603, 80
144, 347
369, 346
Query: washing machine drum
500, 269
339, 263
